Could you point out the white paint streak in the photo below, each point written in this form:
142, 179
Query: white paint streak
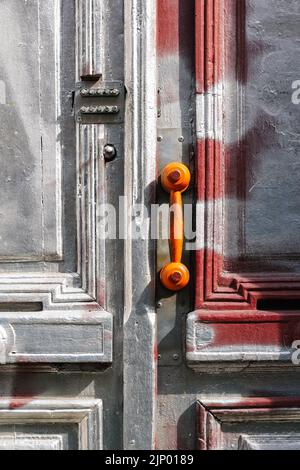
2, 92
218, 113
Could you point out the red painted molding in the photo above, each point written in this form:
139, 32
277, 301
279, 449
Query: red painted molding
225, 284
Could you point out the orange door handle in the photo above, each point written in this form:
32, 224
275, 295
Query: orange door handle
175, 179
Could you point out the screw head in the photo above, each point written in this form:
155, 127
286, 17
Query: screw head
174, 176
176, 277
176, 357
110, 152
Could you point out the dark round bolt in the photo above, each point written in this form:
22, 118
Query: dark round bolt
159, 305
175, 176
110, 152
176, 277
176, 357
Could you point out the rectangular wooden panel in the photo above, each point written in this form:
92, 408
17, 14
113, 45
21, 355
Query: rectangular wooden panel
51, 424
247, 263
30, 184
264, 423
51, 186
56, 337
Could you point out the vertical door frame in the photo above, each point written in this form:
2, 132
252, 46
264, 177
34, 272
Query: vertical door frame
140, 356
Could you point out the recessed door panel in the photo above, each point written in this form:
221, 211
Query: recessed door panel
51, 186
247, 262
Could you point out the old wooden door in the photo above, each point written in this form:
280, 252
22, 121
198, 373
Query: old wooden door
96, 97
229, 108
77, 321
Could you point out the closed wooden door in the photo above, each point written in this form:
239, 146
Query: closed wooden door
228, 74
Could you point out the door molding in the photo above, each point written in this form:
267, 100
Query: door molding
217, 417
140, 356
71, 301
85, 414
229, 325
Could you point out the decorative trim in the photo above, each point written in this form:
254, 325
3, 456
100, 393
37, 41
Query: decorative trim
84, 285
244, 333
56, 337
216, 289
211, 415
86, 414
231, 339
140, 362
71, 302
89, 36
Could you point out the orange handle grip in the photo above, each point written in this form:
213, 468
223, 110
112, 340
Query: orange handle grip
175, 179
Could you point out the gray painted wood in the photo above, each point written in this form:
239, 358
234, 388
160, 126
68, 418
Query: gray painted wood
51, 190
64, 415
140, 176
80, 286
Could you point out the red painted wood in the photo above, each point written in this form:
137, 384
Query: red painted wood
201, 428
199, 38
171, 30
168, 26
223, 285
213, 283
255, 402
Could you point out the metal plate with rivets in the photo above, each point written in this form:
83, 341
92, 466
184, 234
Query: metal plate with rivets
100, 102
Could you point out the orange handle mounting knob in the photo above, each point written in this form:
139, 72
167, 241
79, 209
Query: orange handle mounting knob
175, 179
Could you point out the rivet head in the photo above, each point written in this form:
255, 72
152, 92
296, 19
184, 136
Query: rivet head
110, 152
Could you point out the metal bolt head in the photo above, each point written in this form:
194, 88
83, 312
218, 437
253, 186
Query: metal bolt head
174, 176
110, 152
176, 277
176, 357
181, 139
